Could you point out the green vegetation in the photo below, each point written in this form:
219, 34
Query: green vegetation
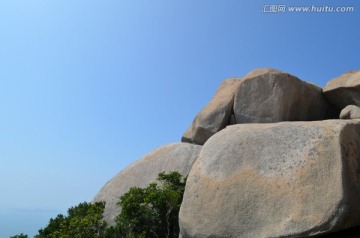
145, 213
83, 220
20, 236
152, 211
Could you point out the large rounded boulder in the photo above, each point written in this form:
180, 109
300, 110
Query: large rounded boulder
287, 179
268, 95
264, 95
173, 157
344, 90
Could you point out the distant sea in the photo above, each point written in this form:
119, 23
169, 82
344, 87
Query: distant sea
27, 221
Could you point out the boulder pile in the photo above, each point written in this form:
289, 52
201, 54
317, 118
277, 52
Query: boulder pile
264, 158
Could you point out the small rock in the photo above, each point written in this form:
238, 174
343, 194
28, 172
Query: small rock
350, 112
215, 115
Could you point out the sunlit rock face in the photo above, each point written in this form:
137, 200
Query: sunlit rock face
263, 96
263, 160
215, 116
269, 95
350, 112
288, 179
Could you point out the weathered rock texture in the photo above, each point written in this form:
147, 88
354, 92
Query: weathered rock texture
344, 90
288, 179
284, 179
350, 112
215, 116
269, 95
173, 157
263, 96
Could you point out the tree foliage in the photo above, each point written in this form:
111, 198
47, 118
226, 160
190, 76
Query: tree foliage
150, 212
20, 236
83, 220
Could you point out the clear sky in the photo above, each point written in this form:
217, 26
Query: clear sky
87, 87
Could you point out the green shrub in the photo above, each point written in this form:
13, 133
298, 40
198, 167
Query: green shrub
145, 213
152, 211
82, 221
20, 236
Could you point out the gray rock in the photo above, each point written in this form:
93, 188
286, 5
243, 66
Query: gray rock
287, 179
215, 115
263, 95
268, 95
344, 90
173, 157
350, 112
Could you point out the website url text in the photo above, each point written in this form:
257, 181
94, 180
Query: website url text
272, 8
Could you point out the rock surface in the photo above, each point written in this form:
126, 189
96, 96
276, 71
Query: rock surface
173, 157
268, 95
214, 116
350, 112
344, 90
264, 95
288, 179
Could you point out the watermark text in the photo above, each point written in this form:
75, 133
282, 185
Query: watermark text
277, 8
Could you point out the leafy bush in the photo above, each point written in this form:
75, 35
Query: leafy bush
145, 213
20, 236
152, 211
83, 220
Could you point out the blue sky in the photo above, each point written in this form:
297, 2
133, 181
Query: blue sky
87, 87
